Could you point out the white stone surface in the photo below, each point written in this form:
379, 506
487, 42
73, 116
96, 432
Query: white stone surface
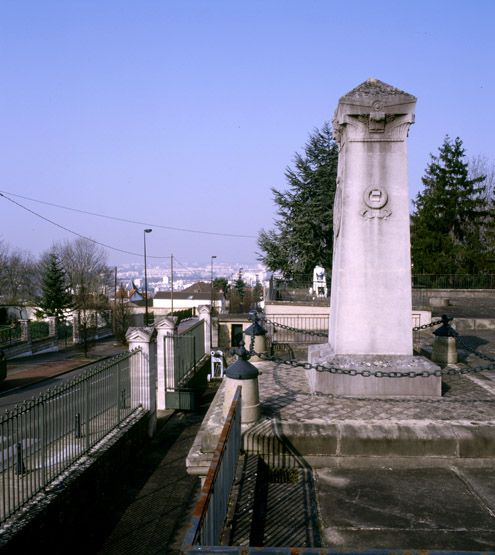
371, 302
165, 359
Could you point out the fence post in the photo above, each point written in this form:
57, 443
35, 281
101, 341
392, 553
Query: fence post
75, 329
204, 313
164, 329
143, 371
52, 328
25, 331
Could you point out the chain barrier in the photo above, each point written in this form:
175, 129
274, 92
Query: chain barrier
377, 373
325, 334
290, 328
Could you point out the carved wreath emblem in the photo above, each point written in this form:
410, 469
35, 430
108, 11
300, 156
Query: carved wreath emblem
375, 198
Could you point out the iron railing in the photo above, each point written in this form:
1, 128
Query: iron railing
42, 437
299, 288
38, 330
209, 514
9, 335
303, 329
453, 281
188, 349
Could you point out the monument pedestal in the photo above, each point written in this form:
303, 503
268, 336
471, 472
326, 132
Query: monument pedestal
372, 386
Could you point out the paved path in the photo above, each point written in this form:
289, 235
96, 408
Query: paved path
28, 370
156, 517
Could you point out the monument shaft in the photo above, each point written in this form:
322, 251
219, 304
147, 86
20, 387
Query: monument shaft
371, 277
370, 307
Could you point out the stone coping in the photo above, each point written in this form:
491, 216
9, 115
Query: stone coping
460, 424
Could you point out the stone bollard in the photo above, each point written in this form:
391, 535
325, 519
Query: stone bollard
444, 344
259, 333
243, 373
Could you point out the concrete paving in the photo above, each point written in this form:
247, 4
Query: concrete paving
390, 506
161, 493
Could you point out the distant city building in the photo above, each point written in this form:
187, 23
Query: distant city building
195, 295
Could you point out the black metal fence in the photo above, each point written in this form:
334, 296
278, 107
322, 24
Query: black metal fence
300, 287
297, 329
453, 281
42, 437
9, 335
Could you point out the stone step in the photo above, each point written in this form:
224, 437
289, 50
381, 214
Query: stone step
284, 443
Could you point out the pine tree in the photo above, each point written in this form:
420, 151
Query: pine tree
450, 217
55, 297
303, 236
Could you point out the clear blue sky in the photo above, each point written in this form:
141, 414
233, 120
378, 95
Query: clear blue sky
185, 113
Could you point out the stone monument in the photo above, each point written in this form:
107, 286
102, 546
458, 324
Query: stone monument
370, 308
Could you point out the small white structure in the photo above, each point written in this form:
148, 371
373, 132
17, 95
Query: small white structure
216, 366
319, 282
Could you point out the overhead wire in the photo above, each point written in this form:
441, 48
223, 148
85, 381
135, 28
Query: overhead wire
126, 220
75, 232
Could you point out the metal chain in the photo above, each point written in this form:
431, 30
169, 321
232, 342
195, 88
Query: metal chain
426, 326
472, 350
325, 334
375, 373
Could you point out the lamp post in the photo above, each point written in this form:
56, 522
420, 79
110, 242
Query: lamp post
211, 302
145, 280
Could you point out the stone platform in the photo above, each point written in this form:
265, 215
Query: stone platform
326, 429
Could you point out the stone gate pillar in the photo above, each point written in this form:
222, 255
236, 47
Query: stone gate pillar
52, 326
143, 371
370, 308
204, 313
25, 330
165, 330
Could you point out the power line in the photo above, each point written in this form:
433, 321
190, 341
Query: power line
189, 269
116, 218
74, 232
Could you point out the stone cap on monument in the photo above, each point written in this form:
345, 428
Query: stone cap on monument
376, 96
375, 108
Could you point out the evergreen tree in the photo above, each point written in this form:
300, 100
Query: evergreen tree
451, 219
303, 234
55, 297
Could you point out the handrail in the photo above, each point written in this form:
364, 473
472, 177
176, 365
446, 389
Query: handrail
210, 510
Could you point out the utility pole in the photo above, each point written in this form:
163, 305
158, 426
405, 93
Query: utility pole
145, 280
172, 282
114, 327
211, 302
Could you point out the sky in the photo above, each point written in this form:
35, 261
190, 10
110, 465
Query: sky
183, 114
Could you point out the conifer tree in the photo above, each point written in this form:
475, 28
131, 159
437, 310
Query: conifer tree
451, 217
55, 297
303, 234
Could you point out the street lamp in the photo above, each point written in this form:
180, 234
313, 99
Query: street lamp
211, 302
145, 280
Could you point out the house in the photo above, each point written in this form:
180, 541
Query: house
199, 293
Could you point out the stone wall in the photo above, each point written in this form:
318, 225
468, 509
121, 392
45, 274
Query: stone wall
74, 515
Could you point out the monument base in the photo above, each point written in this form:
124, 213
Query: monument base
372, 386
